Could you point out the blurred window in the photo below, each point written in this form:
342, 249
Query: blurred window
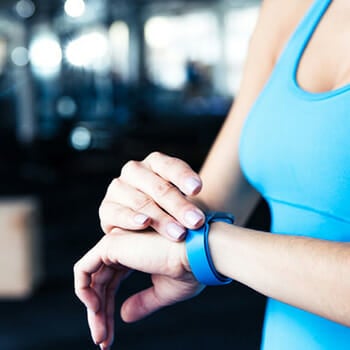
79, 52
119, 37
239, 24
174, 41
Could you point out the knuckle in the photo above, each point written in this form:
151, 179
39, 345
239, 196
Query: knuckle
105, 210
129, 167
79, 293
154, 156
142, 202
76, 268
101, 211
105, 227
163, 189
105, 217
115, 183
172, 162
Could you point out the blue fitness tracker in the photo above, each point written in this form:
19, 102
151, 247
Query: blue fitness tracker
198, 252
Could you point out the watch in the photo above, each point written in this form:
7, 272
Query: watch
198, 252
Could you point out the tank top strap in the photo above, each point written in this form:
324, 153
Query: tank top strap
297, 43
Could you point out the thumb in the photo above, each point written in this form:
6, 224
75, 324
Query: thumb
141, 305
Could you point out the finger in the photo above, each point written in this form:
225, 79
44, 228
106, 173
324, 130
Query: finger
141, 305
97, 327
175, 171
110, 306
83, 269
105, 283
124, 204
98, 320
129, 196
166, 195
113, 215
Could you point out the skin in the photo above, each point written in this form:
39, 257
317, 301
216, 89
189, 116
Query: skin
99, 273
161, 196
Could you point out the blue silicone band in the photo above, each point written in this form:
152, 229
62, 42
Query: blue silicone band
198, 252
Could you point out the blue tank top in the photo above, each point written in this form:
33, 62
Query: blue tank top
295, 150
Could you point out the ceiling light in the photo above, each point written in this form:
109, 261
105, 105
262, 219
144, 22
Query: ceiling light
74, 8
45, 55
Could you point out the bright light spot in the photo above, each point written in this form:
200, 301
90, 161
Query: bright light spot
157, 32
88, 51
20, 56
119, 29
81, 138
45, 54
66, 107
25, 8
74, 8
174, 40
119, 38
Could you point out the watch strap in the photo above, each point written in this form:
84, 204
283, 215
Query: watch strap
198, 252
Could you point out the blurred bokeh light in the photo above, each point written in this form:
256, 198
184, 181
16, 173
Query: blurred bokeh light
86, 85
74, 8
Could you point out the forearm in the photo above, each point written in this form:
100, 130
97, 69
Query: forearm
243, 205
307, 273
225, 187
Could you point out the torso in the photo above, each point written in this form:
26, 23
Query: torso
325, 64
294, 150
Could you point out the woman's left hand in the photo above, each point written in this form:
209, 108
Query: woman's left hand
99, 273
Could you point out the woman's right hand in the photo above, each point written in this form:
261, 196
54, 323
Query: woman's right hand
153, 193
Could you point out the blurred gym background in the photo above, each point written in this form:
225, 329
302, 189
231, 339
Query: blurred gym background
86, 85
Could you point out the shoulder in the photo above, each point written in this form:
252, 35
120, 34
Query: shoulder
277, 21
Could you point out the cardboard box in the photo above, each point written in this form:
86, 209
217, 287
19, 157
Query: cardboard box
20, 248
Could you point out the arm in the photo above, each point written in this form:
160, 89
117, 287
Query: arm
161, 192
287, 268
263, 261
229, 191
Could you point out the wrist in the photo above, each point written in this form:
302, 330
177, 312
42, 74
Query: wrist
218, 244
184, 258
198, 250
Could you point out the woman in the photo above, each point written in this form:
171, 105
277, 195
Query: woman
287, 139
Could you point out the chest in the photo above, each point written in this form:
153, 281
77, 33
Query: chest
298, 152
295, 144
324, 64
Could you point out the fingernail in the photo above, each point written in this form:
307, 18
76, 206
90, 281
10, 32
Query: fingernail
192, 184
140, 219
175, 231
193, 217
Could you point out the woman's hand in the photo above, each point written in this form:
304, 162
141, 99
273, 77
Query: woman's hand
152, 193
99, 273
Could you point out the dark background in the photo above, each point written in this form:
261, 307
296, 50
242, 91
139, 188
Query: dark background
124, 117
